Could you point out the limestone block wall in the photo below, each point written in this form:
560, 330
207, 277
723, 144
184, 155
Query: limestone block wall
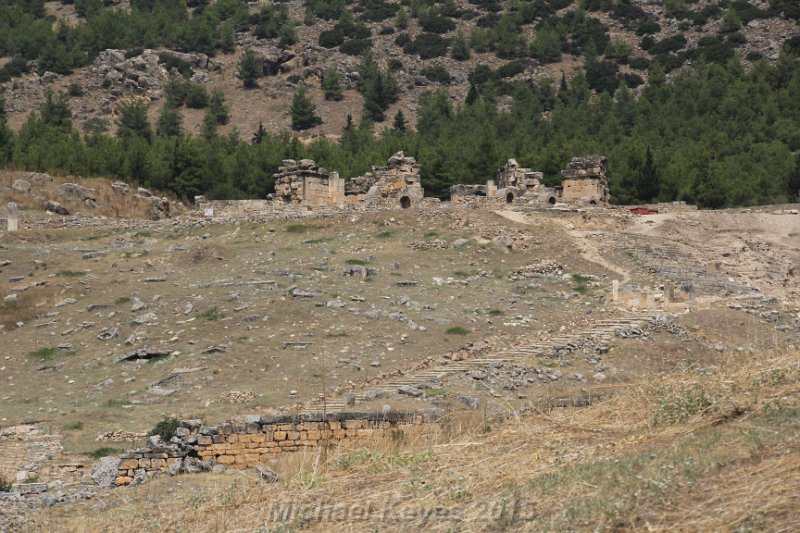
583, 189
258, 439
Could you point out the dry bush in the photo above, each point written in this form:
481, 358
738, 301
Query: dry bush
30, 305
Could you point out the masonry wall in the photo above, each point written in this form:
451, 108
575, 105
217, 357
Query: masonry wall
582, 189
259, 439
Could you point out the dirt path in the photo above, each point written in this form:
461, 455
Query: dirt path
587, 247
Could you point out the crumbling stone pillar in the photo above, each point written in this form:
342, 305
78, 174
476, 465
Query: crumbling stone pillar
13, 217
669, 292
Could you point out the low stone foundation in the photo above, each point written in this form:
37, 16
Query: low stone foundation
258, 439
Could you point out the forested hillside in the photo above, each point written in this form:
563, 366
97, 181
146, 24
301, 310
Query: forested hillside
691, 100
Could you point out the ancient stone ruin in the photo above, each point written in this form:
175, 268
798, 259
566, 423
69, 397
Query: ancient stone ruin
256, 440
584, 183
398, 180
584, 180
514, 180
303, 182
306, 184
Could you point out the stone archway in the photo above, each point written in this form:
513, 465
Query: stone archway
509, 197
405, 202
551, 200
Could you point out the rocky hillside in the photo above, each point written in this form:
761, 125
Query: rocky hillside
104, 52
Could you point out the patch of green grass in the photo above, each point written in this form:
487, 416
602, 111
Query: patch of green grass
123, 300
337, 334
457, 330
300, 228
385, 235
429, 234
462, 274
320, 240
495, 312
676, 405
94, 237
212, 314
579, 283
71, 273
45, 354
432, 391
104, 451
143, 233
73, 426
356, 262
113, 403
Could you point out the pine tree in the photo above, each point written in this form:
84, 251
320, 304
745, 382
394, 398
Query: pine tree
646, 182
249, 70
399, 121
460, 48
259, 134
170, 122
133, 121
332, 84
55, 111
208, 129
472, 95
217, 107
303, 111
6, 135
793, 183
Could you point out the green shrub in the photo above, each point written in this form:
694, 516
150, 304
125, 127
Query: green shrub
105, 451
426, 46
173, 62
73, 426
457, 330
212, 314
196, 96
437, 74
165, 429
71, 273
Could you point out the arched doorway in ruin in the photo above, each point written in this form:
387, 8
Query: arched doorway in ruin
405, 202
551, 200
509, 197
592, 202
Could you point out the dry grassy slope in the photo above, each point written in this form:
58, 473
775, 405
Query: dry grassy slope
688, 452
270, 103
689, 428
110, 203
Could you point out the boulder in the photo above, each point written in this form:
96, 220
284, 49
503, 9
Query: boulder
106, 472
55, 207
75, 193
21, 185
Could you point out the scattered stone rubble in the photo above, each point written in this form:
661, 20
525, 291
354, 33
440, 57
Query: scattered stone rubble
542, 268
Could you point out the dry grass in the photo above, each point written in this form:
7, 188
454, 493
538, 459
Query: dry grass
692, 452
109, 202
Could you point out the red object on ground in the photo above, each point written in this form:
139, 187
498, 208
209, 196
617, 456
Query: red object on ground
643, 211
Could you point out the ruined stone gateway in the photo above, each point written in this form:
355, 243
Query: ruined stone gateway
304, 183
584, 183
585, 180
